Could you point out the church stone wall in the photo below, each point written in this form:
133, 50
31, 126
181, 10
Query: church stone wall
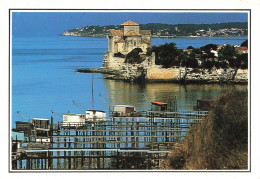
133, 28
162, 73
119, 41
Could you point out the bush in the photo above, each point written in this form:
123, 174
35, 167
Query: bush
208, 64
207, 48
119, 54
228, 54
134, 57
244, 44
242, 61
188, 60
218, 142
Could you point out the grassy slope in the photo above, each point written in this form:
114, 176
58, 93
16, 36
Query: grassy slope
218, 142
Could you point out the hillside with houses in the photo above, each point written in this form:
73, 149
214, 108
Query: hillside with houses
159, 30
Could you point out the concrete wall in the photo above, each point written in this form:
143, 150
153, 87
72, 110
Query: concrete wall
157, 73
114, 63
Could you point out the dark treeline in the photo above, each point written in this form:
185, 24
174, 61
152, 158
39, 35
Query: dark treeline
168, 56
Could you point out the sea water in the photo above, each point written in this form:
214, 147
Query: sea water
43, 78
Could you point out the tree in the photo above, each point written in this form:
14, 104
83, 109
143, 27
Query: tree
208, 64
207, 48
244, 44
243, 60
165, 55
206, 61
227, 55
119, 54
152, 49
133, 56
221, 64
188, 60
196, 51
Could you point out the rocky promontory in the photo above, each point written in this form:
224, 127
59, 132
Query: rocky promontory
176, 75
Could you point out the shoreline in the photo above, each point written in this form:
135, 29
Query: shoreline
116, 75
164, 37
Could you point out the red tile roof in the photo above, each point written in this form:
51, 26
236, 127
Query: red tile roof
129, 23
132, 33
159, 103
243, 48
116, 32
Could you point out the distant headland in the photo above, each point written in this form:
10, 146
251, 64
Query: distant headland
159, 30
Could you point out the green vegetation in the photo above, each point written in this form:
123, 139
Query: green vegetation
134, 57
244, 44
207, 48
243, 61
190, 61
165, 55
168, 56
218, 142
119, 54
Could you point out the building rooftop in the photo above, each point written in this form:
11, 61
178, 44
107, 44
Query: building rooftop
73, 114
242, 48
129, 23
132, 33
124, 106
94, 110
40, 119
116, 32
21, 122
159, 103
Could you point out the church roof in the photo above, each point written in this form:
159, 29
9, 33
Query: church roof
119, 40
132, 33
129, 23
145, 32
241, 48
116, 32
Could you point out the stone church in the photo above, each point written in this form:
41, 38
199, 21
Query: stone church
129, 37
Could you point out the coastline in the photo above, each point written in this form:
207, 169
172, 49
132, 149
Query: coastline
153, 36
118, 75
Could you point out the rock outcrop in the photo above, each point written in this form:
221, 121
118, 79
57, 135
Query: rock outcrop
148, 71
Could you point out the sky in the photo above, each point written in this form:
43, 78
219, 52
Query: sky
55, 23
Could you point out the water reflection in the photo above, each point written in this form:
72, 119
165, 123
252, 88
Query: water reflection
120, 92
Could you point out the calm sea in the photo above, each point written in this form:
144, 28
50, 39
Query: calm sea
43, 78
